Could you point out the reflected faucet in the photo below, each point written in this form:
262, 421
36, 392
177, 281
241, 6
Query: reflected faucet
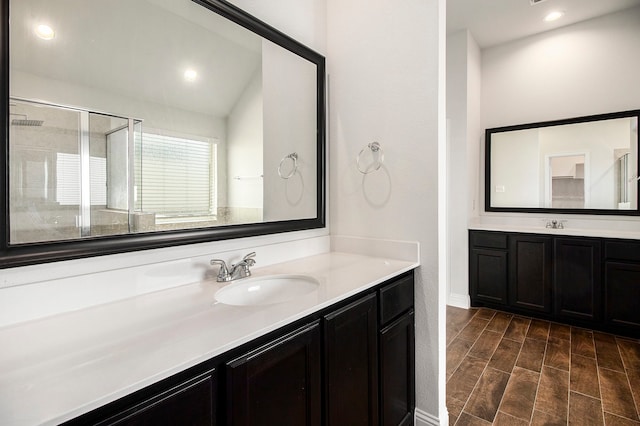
238, 270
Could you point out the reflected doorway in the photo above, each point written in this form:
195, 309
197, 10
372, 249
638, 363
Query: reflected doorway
566, 181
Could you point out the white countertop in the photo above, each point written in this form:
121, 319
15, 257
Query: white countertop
55, 369
630, 230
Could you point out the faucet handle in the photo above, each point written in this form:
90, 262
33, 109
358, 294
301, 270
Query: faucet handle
223, 272
249, 259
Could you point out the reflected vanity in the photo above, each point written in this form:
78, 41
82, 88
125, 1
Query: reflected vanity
585, 165
150, 123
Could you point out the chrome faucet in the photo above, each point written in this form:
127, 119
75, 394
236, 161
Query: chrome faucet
238, 270
555, 224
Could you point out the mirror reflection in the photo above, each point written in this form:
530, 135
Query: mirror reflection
133, 116
588, 163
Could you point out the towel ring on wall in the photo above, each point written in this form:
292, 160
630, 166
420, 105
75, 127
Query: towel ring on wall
294, 158
375, 148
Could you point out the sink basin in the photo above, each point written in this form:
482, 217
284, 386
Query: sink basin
266, 290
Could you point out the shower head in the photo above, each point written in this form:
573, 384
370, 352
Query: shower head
25, 121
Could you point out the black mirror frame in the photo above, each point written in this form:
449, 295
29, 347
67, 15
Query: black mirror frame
35, 253
487, 167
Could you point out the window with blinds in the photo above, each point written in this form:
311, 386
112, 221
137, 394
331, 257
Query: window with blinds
175, 176
68, 179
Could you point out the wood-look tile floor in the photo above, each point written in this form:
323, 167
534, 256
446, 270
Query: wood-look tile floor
506, 369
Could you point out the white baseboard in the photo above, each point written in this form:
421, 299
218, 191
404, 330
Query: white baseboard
426, 419
459, 300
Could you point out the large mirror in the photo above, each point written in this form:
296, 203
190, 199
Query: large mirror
580, 165
133, 124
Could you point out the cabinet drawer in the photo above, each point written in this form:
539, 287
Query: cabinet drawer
489, 240
620, 250
396, 298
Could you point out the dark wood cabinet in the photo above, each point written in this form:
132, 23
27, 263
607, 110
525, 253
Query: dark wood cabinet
397, 353
530, 272
351, 364
488, 257
278, 383
622, 297
577, 278
489, 275
397, 372
190, 402
622, 285
585, 281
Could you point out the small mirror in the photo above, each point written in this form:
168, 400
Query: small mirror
174, 120
580, 165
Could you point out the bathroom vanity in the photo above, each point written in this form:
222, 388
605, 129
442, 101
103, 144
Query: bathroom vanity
342, 354
587, 281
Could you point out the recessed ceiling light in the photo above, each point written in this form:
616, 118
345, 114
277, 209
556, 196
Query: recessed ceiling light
190, 74
553, 16
45, 32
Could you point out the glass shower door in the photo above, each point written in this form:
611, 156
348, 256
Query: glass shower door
70, 173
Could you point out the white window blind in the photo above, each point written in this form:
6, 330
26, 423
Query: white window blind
175, 176
68, 179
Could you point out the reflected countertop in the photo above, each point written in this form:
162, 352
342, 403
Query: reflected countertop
54, 369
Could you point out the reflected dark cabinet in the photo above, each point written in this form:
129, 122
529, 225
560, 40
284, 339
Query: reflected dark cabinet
577, 282
530, 272
351, 364
277, 384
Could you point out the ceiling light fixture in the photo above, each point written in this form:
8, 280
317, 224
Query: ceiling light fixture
555, 15
45, 32
190, 74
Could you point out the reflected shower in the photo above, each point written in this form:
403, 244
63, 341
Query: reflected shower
25, 121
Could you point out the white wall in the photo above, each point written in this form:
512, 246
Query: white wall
244, 148
463, 116
289, 83
518, 181
586, 68
384, 64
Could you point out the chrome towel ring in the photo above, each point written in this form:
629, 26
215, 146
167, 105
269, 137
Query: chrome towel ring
374, 147
294, 158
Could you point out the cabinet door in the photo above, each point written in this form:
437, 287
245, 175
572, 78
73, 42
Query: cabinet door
622, 294
397, 372
577, 280
488, 275
351, 364
279, 383
530, 272
190, 403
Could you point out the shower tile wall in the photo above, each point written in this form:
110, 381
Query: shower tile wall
35, 214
